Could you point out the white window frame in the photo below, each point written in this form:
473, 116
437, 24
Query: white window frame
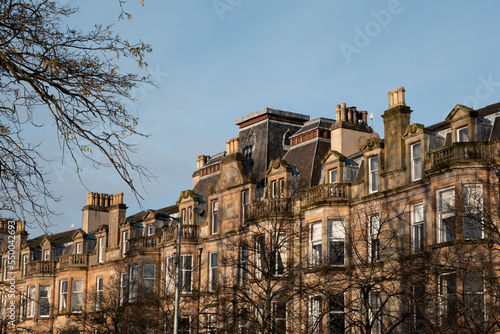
211, 323
63, 296
245, 204
125, 243
215, 216
476, 296
279, 323
336, 234
417, 227
170, 275
374, 313
472, 195
78, 248
274, 189
374, 239
186, 274
212, 274
373, 184
75, 293
444, 295
260, 256
416, 162
315, 314
133, 283
280, 251
148, 282
460, 131
25, 263
31, 300
44, 300
99, 292
445, 203
333, 175
123, 288
336, 312
5, 269
316, 249
151, 230
244, 260
46, 255
281, 187
102, 247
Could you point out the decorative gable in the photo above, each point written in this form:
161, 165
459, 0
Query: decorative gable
414, 129
331, 157
460, 112
278, 166
371, 144
187, 196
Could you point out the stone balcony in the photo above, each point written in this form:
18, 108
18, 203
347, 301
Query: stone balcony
189, 232
325, 193
459, 153
144, 243
73, 261
271, 208
41, 268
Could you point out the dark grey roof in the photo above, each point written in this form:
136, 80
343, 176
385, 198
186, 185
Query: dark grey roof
495, 132
317, 123
55, 239
271, 111
307, 160
215, 159
482, 112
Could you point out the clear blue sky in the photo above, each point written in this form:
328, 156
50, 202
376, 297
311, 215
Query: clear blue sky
215, 61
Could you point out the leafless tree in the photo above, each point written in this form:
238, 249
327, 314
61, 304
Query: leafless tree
50, 72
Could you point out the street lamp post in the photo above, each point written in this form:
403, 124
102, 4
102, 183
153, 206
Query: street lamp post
178, 279
162, 216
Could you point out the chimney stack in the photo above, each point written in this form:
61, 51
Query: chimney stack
233, 145
397, 97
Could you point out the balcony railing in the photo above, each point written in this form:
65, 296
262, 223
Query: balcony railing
143, 242
271, 207
327, 192
444, 156
41, 267
189, 232
73, 260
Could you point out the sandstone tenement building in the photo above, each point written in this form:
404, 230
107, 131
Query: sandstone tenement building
300, 226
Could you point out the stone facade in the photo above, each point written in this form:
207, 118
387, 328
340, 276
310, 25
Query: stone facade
300, 226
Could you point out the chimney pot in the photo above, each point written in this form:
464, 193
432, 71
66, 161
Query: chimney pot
397, 97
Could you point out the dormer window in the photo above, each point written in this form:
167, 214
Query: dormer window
373, 174
278, 188
333, 176
46, 255
463, 134
416, 162
79, 248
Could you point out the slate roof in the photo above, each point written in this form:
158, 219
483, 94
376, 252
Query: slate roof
482, 112
307, 160
317, 123
215, 159
56, 239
